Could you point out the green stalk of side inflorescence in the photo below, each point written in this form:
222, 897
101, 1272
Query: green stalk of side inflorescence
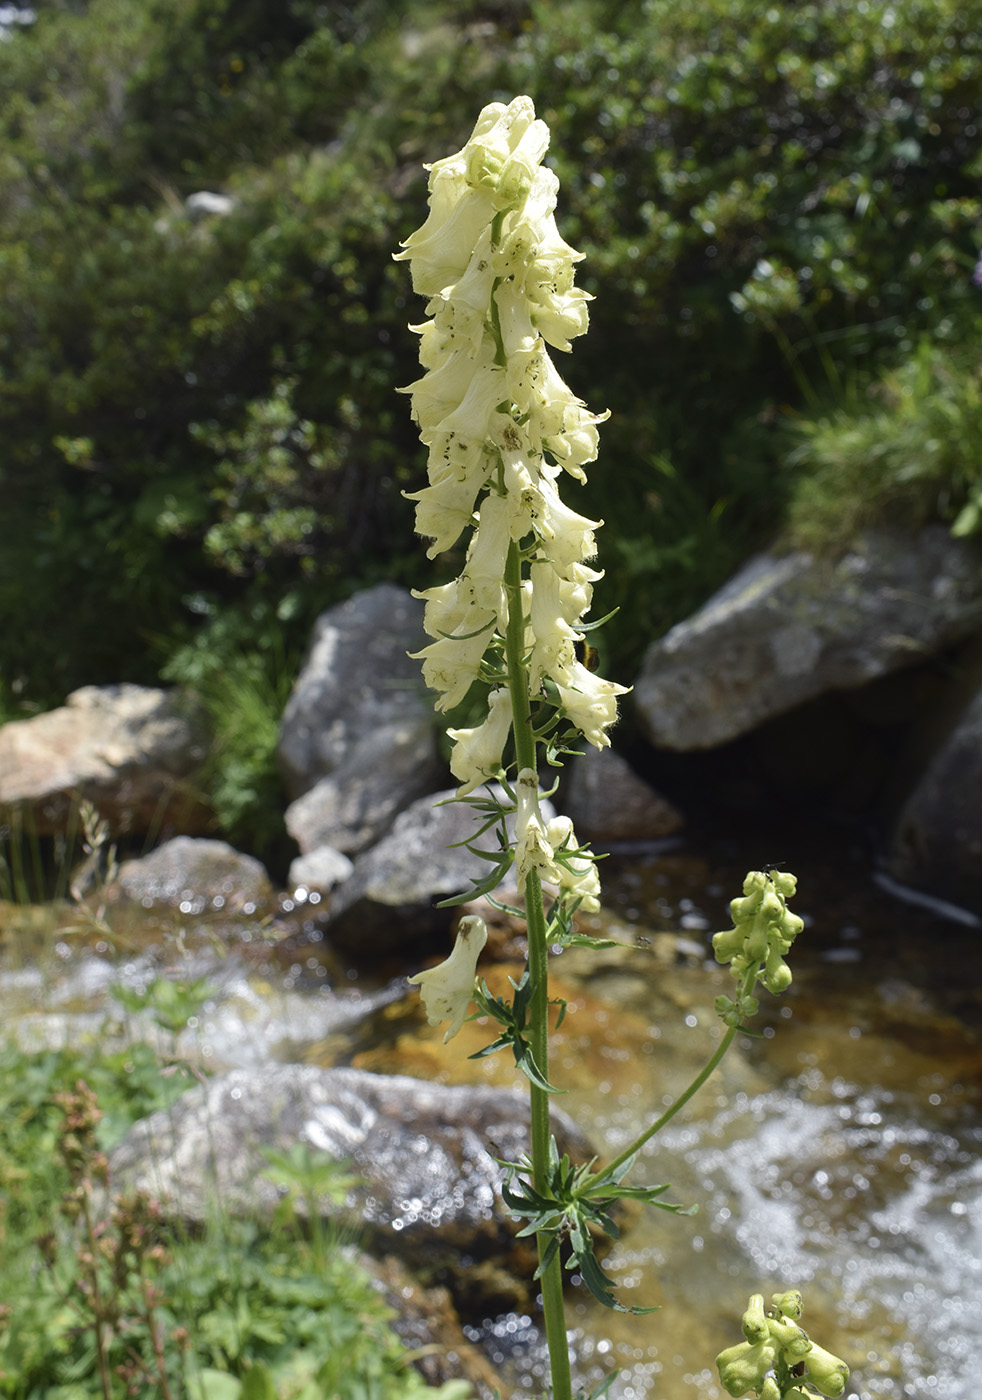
692, 1089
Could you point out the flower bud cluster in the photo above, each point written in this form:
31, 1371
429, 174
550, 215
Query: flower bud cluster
501, 427
763, 932
777, 1357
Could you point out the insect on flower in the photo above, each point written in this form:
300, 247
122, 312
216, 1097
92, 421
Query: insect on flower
586, 655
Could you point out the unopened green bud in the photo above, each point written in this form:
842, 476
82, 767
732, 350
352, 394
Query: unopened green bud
776, 976
755, 1324
789, 1304
826, 1372
735, 1012
743, 1367
729, 944
770, 1390
793, 1342
762, 933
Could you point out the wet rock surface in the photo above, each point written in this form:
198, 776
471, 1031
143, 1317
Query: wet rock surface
196, 875
937, 839
427, 1156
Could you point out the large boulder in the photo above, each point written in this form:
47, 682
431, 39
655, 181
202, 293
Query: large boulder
358, 739
133, 753
789, 628
609, 803
427, 1158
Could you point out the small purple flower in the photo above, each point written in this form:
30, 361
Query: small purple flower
977, 274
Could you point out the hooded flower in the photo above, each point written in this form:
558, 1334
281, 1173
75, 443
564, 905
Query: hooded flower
532, 848
578, 877
477, 752
501, 426
446, 989
591, 703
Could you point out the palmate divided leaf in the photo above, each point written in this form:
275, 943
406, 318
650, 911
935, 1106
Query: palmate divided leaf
575, 1205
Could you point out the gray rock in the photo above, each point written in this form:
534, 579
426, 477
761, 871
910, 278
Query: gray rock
321, 869
358, 740
430, 1186
391, 895
382, 773
607, 801
195, 875
785, 630
937, 840
132, 752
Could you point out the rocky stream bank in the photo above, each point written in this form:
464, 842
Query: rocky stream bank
842, 1150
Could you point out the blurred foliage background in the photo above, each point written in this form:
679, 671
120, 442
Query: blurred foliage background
201, 327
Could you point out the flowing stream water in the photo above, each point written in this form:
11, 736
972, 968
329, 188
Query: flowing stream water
840, 1152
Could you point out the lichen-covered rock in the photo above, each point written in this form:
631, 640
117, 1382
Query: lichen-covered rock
132, 752
787, 629
392, 894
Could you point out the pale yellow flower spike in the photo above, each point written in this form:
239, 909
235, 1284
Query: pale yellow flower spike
502, 427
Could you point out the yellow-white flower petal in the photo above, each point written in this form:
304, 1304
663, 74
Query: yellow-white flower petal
476, 755
452, 664
590, 703
532, 848
578, 876
446, 990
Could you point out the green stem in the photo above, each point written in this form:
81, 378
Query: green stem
535, 920
693, 1088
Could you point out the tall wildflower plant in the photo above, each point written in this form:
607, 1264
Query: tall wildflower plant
503, 430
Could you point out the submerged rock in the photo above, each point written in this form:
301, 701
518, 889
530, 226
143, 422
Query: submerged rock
787, 629
132, 752
426, 1157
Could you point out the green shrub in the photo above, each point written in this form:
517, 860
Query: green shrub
907, 451
774, 203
